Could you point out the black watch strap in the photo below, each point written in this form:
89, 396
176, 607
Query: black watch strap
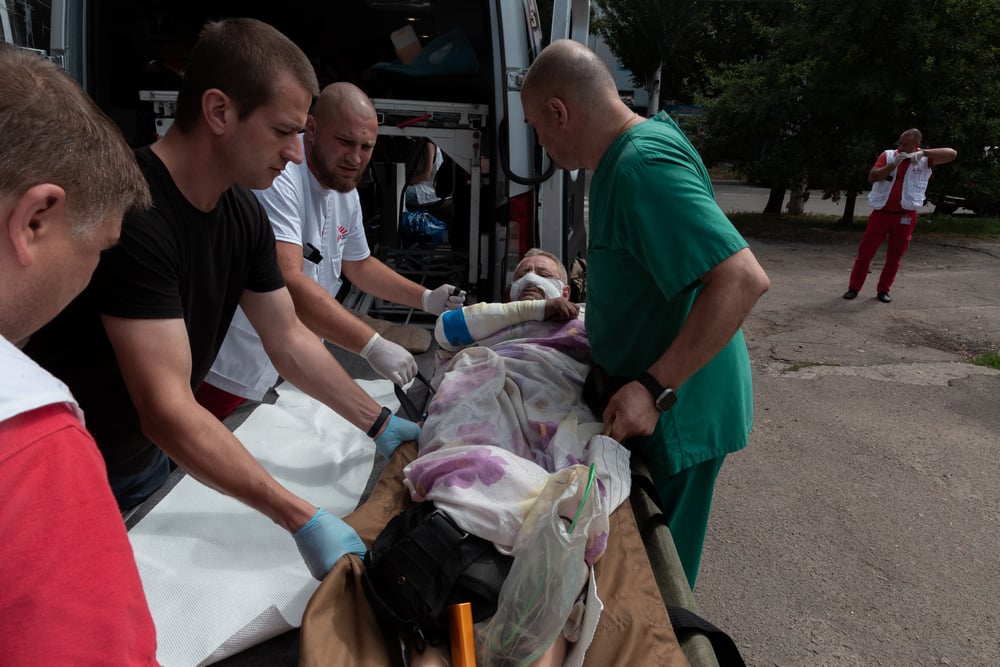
652, 386
663, 397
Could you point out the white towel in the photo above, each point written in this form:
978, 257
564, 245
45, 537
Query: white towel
221, 577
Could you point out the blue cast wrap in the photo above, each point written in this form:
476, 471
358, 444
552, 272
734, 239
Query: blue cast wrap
455, 329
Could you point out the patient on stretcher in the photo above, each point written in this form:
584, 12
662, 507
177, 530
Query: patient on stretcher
510, 453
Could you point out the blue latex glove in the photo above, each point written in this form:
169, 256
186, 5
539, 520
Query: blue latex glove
396, 433
324, 540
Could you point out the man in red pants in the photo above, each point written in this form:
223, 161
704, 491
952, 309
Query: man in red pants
899, 182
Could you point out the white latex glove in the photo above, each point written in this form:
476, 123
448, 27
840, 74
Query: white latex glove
915, 157
445, 297
389, 360
900, 157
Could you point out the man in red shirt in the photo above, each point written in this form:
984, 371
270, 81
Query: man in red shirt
70, 592
899, 182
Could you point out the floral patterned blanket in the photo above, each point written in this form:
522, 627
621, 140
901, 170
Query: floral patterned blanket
508, 414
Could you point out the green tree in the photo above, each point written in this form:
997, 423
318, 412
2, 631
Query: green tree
656, 40
840, 80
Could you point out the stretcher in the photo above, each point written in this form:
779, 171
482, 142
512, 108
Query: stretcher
515, 395
639, 575
652, 575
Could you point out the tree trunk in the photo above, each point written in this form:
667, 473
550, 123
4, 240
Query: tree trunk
653, 107
797, 199
796, 202
849, 201
775, 199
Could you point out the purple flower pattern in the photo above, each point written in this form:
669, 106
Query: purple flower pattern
459, 472
516, 391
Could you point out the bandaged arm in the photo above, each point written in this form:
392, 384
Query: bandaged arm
458, 328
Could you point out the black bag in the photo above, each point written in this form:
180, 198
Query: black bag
599, 387
421, 563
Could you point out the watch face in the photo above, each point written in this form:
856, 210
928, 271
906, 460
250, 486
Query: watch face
666, 400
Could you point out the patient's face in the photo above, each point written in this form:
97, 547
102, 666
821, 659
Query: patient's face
543, 267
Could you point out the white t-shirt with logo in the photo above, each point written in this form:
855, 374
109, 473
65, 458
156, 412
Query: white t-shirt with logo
301, 211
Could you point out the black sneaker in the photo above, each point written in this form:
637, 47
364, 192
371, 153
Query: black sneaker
850, 294
884, 297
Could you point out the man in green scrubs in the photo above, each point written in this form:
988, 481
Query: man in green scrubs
670, 282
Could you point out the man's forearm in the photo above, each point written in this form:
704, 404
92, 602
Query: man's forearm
457, 328
881, 173
327, 317
306, 363
205, 449
375, 278
730, 292
940, 155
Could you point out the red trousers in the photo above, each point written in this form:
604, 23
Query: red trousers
899, 228
220, 403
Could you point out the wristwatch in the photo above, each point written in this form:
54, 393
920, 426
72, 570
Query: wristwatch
663, 397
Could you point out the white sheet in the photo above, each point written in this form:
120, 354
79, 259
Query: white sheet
220, 577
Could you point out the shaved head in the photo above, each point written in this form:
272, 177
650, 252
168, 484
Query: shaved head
340, 136
914, 135
340, 98
571, 101
570, 71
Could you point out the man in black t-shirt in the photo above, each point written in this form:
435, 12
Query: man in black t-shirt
142, 337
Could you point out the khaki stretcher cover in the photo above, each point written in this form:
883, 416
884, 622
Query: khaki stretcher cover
339, 628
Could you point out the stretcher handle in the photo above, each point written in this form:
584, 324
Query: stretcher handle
411, 410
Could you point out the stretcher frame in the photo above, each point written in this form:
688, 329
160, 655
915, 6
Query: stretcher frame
657, 541
659, 546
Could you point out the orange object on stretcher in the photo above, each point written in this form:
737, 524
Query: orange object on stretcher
463, 643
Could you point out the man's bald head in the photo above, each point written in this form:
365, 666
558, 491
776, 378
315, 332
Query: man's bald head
341, 97
340, 136
570, 71
571, 101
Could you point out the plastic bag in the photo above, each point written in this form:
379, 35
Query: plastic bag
420, 227
548, 573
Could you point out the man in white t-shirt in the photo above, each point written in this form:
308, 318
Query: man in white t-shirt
315, 211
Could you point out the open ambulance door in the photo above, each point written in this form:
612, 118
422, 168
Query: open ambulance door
45, 26
545, 203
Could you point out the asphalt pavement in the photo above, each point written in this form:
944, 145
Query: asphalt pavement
861, 525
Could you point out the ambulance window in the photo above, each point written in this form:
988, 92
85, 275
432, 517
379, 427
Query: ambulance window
26, 23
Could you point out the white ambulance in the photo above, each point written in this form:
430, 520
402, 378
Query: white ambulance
463, 95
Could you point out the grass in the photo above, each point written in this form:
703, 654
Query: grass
960, 225
817, 228
990, 359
